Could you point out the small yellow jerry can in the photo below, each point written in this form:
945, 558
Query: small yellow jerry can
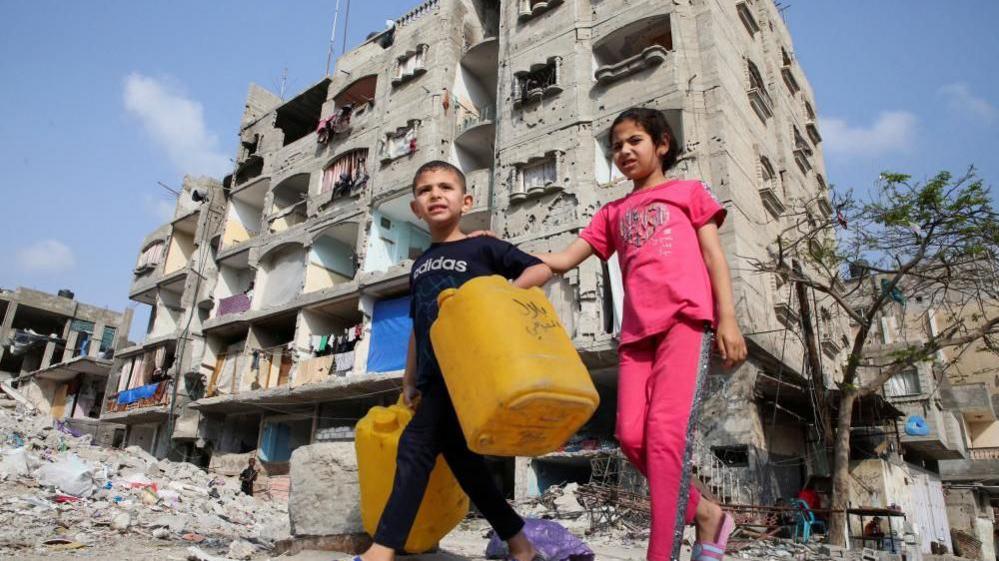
377, 441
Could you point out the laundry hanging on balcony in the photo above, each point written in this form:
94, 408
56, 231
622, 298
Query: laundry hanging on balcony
347, 175
137, 394
336, 123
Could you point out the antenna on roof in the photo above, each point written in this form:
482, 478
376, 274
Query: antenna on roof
175, 192
346, 25
329, 53
781, 8
284, 81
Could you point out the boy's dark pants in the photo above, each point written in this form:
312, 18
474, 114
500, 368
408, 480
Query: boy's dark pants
434, 430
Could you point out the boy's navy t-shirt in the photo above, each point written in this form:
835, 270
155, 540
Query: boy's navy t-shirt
449, 265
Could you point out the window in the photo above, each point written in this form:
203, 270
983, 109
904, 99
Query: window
533, 85
802, 151
347, 175
399, 143
84, 333
604, 169
788, 73
748, 21
537, 176
759, 97
107, 341
411, 65
904, 383
770, 189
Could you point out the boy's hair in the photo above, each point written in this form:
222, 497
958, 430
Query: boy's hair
434, 165
654, 122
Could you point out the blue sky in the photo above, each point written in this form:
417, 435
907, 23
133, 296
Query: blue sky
103, 99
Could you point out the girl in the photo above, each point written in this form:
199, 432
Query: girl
678, 296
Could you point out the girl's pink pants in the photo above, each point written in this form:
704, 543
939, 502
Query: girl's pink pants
657, 405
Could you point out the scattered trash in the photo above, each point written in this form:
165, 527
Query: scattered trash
550, 538
90, 496
70, 474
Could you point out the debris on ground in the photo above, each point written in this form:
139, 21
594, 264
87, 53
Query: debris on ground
58, 492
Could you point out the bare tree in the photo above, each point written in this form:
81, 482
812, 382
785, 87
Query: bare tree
937, 239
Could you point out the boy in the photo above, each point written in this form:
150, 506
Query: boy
440, 199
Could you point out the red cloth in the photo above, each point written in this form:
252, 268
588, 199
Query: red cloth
810, 497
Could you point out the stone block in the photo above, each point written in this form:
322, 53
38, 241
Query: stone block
325, 496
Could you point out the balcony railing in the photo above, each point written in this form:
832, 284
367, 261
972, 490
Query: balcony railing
137, 398
469, 118
990, 453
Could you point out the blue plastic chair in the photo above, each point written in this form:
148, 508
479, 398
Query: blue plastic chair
806, 521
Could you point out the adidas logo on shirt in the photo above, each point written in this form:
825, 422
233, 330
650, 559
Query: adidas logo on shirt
442, 264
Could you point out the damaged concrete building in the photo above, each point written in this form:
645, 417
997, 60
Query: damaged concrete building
151, 384
59, 351
280, 296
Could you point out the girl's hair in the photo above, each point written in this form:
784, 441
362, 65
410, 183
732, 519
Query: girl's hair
654, 123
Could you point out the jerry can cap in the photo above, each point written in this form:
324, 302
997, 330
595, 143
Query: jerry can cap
384, 420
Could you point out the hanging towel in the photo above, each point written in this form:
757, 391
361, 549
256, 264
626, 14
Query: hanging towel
323, 340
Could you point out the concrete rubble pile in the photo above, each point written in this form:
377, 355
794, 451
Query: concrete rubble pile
58, 491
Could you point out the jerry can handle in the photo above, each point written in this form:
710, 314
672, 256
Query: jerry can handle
444, 295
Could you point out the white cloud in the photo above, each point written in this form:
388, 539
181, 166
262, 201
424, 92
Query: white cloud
176, 124
961, 100
893, 131
46, 256
160, 208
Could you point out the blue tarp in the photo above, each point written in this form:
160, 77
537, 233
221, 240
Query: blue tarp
135, 394
390, 329
916, 425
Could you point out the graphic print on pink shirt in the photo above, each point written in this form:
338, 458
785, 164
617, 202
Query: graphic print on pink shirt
654, 233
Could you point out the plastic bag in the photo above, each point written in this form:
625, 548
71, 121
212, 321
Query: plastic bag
549, 537
15, 462
68, 473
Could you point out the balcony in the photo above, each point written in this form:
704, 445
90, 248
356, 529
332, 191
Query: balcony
972, 400
982, 466
772, 202
142, 404
528, 9
761, 102
831, 344
943, 441
991, 453
786, 314
650, 57
640, 45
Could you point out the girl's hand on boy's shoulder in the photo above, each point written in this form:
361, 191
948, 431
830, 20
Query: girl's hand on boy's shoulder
731, 344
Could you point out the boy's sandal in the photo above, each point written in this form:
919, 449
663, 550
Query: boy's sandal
714, 551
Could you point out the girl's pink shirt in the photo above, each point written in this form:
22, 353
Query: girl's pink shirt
654, 233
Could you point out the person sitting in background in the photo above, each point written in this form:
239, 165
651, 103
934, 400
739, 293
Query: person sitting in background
248, 476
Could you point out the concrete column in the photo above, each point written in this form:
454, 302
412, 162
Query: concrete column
67, 353
5, 328
47, 357
95, 342
65, 337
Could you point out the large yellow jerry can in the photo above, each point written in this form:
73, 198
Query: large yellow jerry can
517, 383
377, 441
